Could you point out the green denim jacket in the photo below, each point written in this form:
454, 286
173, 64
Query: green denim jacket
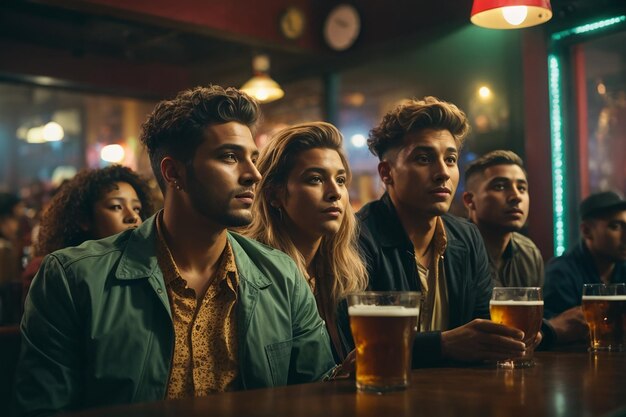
97, 327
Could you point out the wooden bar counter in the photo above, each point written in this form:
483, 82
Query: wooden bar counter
567, 384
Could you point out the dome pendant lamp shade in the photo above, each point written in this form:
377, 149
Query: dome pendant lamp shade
510, 14
261, 86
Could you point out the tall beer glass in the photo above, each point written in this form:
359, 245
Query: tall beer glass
521, 308
604, 307
383, 326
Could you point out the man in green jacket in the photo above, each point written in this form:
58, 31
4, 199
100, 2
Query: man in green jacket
178, 307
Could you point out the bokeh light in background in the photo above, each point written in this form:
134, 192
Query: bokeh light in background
484, 92
112, 153
358, 140
53, 132
50, 132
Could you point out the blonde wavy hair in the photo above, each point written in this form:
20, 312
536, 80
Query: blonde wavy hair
338, 264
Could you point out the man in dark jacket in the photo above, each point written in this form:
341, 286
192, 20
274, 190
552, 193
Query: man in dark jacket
410, 243
600, 257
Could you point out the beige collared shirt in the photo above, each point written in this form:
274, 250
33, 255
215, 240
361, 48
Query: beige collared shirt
434, 313
205, 347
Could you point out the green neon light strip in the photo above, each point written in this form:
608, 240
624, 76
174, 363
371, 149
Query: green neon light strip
558, 156
579, 30
557, 141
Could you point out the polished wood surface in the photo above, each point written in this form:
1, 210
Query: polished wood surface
567, 384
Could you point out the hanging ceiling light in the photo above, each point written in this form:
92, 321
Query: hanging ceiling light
261, 86
510, 14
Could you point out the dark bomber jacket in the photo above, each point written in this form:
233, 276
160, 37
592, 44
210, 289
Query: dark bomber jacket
390, 259
565, 276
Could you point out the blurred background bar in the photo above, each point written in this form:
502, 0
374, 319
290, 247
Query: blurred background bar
78, 77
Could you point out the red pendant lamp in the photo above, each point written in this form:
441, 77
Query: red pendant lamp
510, 14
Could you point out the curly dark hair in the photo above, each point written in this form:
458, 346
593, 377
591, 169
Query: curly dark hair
176, 127
413, 116
73, 204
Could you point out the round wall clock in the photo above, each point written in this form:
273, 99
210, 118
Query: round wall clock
292, 23
342, 27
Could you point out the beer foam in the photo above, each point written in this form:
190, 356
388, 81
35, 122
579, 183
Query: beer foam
515, 303
382, 311
605, 297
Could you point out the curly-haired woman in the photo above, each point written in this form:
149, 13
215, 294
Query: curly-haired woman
95, 204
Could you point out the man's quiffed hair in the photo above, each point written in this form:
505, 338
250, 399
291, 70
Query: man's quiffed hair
499, 157
413, 116
176, 127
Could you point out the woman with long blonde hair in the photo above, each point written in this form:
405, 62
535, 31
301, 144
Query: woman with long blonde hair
303, 209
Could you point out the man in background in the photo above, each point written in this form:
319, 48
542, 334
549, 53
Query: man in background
599, 257
497, 201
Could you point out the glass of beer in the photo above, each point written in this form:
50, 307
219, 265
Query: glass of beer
604, 307
521, 308
383, 325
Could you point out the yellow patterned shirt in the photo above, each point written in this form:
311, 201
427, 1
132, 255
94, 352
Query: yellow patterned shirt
205, 346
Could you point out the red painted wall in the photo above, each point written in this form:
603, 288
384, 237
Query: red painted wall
157, 80
538, 150
244, 20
